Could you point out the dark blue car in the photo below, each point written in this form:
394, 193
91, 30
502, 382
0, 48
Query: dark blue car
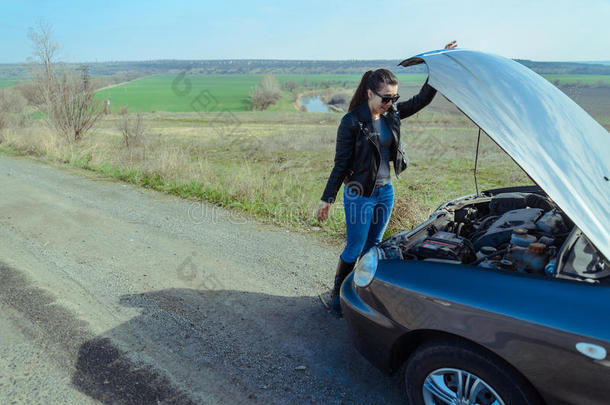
503, 296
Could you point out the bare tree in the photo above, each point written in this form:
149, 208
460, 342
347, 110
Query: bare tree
45, 52
267, 93
67, 100
74, 109
132, 129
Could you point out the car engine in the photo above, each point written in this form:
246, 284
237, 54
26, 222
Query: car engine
516, 231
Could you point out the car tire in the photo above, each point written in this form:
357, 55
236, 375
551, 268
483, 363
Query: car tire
434, 370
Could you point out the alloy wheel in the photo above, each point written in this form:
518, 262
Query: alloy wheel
453, 386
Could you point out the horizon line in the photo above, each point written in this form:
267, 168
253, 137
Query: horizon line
282, 60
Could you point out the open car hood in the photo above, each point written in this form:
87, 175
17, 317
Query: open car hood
561, 147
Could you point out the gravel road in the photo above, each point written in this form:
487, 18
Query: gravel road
115, 294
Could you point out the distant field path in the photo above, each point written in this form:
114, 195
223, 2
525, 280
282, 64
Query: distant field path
120, 84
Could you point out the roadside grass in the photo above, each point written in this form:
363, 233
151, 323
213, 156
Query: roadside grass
274, 166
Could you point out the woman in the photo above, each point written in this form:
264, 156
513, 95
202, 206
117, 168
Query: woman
368, 139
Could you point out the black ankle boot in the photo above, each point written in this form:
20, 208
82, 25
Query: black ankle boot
343, 269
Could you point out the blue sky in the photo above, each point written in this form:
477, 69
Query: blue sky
308, 29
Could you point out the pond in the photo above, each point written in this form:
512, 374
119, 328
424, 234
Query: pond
314, 104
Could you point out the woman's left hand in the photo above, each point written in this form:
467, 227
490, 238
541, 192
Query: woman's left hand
451, 45
323, 209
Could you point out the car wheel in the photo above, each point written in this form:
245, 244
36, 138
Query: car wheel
456, 373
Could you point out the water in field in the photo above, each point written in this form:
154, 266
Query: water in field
314, 104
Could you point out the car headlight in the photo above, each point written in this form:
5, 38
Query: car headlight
366, 268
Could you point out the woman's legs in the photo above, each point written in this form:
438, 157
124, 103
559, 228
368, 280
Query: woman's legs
366, 219
381, 216
358, 216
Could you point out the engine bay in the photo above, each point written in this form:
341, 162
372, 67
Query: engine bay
516, 231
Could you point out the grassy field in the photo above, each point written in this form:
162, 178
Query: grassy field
273, 165
7, 82
193, 93
211, 92
589, 80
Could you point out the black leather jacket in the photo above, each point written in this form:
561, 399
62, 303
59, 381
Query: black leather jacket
358, 153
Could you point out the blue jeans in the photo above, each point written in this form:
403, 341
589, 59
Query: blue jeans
365, 219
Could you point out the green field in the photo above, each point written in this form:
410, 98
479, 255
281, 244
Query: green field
200, 93
213, 92
588, 80
7, 82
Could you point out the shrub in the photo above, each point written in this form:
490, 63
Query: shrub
12, 108
291, 85
132, 128
72, 108
123, 109
339, 99
267, 93
29, 91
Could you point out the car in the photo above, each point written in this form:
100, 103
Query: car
501, 296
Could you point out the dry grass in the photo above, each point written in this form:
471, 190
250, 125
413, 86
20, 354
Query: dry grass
274, 168
35, 139
408, 211
274, 165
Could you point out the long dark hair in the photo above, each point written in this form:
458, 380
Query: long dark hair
373, 80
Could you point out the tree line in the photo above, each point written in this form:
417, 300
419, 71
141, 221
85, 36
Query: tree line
253, 66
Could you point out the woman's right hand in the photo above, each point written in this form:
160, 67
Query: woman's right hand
323, 209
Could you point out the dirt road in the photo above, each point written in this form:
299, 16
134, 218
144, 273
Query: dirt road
114, 294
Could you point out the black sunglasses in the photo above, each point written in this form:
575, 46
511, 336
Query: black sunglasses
387, 99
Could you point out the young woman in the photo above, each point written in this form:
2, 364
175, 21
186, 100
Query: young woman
368, 139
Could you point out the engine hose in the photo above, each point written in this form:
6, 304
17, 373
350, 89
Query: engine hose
497, 252
470, 245
481, 230
486, 220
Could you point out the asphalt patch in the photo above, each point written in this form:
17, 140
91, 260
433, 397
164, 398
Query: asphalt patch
100, 369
